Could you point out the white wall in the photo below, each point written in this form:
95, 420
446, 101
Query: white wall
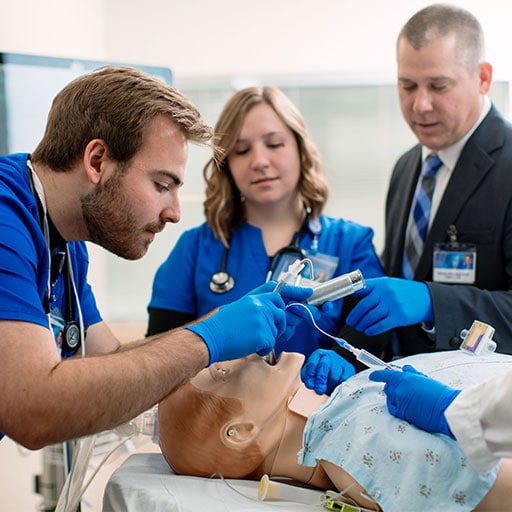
229, 37
226, 38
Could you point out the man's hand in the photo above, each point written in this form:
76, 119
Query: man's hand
389, 302
251, 324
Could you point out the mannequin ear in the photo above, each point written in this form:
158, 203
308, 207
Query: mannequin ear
237, 435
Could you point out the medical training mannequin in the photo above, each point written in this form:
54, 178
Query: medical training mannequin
265, 191
245, 418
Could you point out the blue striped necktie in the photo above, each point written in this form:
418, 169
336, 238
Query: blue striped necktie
421, 215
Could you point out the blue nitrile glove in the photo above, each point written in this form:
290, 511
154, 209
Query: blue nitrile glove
314, 316
253, 323
324, 370
416, 398
289, 294
389, 302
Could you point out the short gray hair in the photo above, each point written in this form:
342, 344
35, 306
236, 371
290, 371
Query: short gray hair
440, 20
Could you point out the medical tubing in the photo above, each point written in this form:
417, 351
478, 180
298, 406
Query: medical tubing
71, 493
337, 288
362, 355
292, 277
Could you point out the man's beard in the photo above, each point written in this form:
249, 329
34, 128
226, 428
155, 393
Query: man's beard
111, 222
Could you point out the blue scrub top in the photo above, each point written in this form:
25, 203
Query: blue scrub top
182, 282
24, 264
24, 255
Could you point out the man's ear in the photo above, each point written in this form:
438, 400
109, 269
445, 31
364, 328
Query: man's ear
95, 159
485, 76
238, 435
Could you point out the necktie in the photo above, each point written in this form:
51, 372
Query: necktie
421, 216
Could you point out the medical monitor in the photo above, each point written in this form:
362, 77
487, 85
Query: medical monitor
28, 84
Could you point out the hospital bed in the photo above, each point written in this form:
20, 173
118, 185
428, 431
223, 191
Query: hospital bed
145, 482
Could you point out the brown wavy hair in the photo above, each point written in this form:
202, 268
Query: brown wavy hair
116, 104
223, 206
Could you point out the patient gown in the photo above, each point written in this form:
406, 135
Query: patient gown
400, 466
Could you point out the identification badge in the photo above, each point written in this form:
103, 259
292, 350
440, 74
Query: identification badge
454, 264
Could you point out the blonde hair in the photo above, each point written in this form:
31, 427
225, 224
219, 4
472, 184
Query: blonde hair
116, 104
191, 424
223, 204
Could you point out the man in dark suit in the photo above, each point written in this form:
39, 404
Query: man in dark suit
443, 81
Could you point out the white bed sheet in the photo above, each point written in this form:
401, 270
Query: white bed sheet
144, 482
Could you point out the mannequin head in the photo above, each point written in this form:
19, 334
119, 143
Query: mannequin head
230, 417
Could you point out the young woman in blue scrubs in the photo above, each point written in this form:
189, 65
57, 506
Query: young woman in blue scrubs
265, 192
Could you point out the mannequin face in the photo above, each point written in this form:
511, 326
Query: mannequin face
235, 433
261, 388
251, 377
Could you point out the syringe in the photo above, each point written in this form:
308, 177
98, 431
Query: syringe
363, 356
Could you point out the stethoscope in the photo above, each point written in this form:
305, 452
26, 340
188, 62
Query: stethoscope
222, 281
72, 334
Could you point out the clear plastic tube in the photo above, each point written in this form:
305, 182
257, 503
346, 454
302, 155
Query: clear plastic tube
289, 277
368, 359
362, 355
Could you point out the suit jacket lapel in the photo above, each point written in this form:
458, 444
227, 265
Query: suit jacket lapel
400, 214
472, 167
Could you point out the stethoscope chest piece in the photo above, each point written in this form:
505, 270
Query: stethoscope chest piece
221, 282
71, 338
